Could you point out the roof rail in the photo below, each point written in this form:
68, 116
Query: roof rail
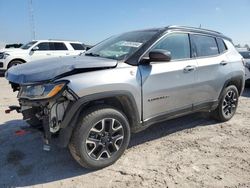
192, 28
62, 40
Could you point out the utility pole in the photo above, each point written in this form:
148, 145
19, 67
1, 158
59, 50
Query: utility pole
32, 22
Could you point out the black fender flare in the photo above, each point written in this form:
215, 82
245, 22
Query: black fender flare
73, 111
233, 79
16, 59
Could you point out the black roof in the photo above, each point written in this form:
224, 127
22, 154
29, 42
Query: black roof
197, 30
189, 29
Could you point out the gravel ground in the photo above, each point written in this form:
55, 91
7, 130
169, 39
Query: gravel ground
192, 151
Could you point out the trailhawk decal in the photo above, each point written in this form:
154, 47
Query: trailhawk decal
157, 98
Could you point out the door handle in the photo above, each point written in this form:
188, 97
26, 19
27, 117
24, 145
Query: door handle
223, 63
48, 54
189, 68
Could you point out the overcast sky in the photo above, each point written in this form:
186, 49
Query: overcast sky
91, 21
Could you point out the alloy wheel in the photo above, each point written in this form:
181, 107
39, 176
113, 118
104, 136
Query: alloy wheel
229, 103
104, 139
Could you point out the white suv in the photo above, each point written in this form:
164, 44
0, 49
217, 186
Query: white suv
39, 49
245, 53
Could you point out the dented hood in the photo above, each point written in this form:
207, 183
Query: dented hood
48, 69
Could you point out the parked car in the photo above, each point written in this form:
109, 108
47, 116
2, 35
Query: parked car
246, 55
92, 103
40, 49
13, 45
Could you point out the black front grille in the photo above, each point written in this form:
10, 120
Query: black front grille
1, 64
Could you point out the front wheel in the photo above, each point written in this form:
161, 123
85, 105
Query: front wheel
227, 104
101, 137
14, 63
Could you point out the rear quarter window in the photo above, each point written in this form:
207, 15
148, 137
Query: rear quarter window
204, 45
222, 46
77, 46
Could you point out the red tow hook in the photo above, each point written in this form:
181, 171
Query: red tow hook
11, 108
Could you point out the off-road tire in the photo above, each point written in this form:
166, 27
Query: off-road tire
86, 122
219, 113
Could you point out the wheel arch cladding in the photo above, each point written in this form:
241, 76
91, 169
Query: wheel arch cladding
16, 59
238, 81
120, 100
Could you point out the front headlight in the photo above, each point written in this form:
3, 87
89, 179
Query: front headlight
4, 55
43, 91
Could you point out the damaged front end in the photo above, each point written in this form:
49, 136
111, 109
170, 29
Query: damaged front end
43, 106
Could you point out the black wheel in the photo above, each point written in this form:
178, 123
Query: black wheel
14, 63
101, 137
227, 104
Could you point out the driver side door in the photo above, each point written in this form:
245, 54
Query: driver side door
168, 86
42, 50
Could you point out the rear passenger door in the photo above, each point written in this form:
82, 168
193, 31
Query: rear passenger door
213, 68
167, 86
59, 49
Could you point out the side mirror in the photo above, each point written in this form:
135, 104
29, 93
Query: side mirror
35, 48
159, 56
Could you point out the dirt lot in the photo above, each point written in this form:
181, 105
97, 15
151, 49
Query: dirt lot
187, 152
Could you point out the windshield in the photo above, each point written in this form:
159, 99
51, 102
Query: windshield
28, 45
245, 55
121, 46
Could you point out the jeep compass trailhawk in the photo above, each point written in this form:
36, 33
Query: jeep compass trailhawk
92, 102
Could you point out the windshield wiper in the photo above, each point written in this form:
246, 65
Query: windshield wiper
92, 54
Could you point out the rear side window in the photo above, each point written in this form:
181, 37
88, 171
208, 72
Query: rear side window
221, 44
59, 46
43, 46
177, 44
204, 45
77, 46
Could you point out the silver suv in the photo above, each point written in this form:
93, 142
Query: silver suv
92, 102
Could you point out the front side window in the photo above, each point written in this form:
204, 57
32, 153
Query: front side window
204, 45
43, 46
177, 44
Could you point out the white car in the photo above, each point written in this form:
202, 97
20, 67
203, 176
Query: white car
246, 55
39, 49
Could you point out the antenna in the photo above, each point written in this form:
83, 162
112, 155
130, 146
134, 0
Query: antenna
32, 23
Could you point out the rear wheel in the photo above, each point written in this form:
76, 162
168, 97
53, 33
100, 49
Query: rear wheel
227, 104
101, 137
